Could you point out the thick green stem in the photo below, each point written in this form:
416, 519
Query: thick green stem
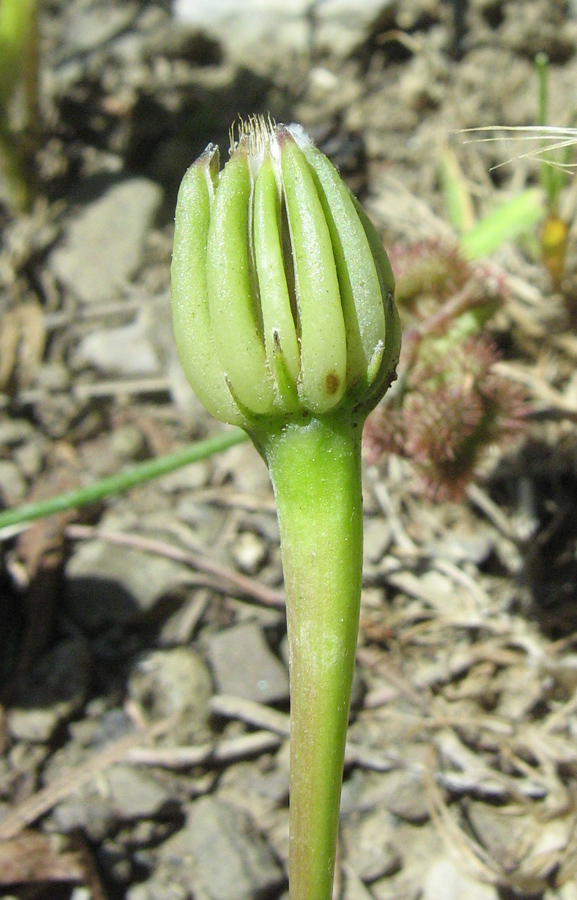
316, 474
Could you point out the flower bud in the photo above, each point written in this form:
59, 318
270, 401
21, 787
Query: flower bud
282, 294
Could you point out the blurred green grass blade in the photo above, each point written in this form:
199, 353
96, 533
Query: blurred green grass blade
507, 222
456, 194
19, 106
17, 18
115, 484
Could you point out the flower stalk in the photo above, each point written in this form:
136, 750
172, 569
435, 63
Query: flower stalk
315, 471
284, 319
19, 87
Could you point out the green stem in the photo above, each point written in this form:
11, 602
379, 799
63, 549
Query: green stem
316, 475
542, 65
14, 169
115, 484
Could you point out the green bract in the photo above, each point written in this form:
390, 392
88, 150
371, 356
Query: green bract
282, 293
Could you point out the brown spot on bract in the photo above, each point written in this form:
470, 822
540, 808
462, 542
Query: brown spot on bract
332, 384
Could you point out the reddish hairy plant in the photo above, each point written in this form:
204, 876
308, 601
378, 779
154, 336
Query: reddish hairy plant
450, 404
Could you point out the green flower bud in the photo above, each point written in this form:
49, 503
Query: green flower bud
282, 294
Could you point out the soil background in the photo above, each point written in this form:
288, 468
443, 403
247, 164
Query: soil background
144, 716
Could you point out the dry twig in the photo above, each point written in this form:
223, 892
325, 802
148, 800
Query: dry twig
247, 586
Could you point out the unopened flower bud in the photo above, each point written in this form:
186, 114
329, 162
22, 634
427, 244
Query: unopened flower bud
282, 293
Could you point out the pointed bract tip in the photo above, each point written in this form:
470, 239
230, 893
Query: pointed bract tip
299, 135
209, 156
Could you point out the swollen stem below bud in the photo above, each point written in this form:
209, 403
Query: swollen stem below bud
316, 474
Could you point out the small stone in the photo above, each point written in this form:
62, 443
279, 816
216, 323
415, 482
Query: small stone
172, 682
103, 245
515, 845
136, 795
55, 413
404, 795
187, 478
155, 889
53, 376
567, 891
360, 793
116, 863
246, 468
107, 584
444, 881
208, 521
343, 26
33, 724
51, 692
503, 835
259, 793
370, 850
520, 688
354, 889
86, 809
268, 618
266, 524
29, 458
322, 80
88, 26
274, 31
220, 852
253, 26
419, 847
24, 759
249, 552
244, 665
459, 548
15, 431
81, 893
376, 539
399, 791
124, 351
12, 485
127, 442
